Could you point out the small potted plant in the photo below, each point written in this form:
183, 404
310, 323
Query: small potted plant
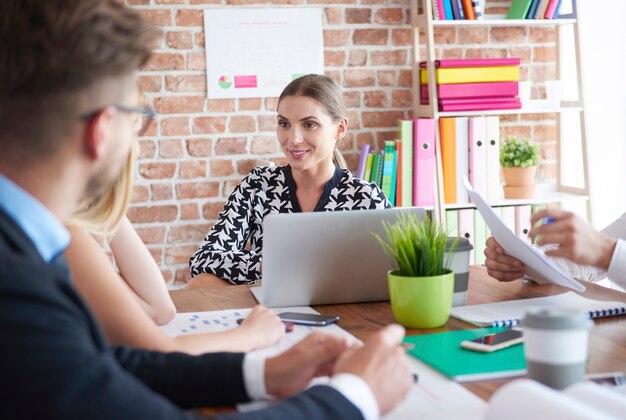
422, 287
519, 159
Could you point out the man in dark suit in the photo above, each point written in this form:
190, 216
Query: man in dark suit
68, 104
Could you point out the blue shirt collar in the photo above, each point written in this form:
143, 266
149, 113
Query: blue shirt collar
46, 232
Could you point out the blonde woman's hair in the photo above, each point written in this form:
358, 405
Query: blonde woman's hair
328, 93
101, 215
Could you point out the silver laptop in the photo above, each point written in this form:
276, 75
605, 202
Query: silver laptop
324, 258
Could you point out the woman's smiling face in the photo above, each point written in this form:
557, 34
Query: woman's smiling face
306, 133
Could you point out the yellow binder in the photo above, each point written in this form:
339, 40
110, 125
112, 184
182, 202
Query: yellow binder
473, 74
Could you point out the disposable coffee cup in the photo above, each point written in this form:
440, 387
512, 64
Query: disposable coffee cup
459, 264
555, 345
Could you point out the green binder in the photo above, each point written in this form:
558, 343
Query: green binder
519, 9
444, 353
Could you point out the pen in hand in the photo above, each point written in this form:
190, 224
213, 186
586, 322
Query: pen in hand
288, 325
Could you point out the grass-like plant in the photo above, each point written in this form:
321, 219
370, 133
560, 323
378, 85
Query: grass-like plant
417, 245
519, 153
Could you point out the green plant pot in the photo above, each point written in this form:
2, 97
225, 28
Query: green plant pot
421, 302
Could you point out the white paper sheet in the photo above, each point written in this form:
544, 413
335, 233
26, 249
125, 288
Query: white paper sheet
538, 267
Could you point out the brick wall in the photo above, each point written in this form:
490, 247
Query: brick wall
199, 150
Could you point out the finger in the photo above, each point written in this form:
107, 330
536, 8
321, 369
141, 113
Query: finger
494, 245
503, 267
392, 334
552, 212
505, 259
505, 276
559, 238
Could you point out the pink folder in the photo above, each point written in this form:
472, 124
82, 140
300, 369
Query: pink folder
522, 222
480, 106
475, 62
442, 14
485, 100
423, 161
472, 90
478, 154
551, 9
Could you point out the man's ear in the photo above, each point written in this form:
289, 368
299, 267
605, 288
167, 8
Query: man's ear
98, 133
342, 128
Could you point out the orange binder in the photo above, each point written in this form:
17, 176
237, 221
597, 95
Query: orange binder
447, 131
468, 9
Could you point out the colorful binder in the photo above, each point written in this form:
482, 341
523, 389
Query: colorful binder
462, 157
492, 135
423, 161
394, 175
360, 168
522, 222
473, 74
468, 10
532, 9
466, 228
541, 9
551, 9
480, 238
441, 10
398, 174
388, 167
475, 62
447, 7
480, 106
478, 154
447, 132
367, 175
519, 9
406, 137
376, 161
473, 90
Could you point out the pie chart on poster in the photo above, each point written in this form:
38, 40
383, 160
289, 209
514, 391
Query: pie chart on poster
225, 82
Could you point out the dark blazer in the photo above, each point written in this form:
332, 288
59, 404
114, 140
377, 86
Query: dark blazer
55, 362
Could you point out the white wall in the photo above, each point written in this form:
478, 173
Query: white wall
603, 32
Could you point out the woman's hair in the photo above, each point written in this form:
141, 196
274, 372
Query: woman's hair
102, 214
328, 93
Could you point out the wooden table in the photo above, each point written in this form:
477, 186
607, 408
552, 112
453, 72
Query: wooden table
607, 347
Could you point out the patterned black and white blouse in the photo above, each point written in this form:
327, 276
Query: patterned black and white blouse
267, 191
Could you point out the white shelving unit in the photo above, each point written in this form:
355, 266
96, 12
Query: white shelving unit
422, 20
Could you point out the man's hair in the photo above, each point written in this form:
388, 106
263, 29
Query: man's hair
58, 61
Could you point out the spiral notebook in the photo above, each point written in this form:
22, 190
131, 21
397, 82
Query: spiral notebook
511, 312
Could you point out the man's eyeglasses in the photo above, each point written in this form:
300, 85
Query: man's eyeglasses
143, 116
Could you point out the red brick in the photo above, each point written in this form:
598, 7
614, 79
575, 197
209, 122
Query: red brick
389, 16
264, 144
140, 194
383, 136
540, 73
510, 35
515, 131
543, 54
179, 40
522, 52
353, 118
222, 105
179, 254
335, 75
175, 126
179, 104
150, 83
150, 131
244, 166
381, 118
364, 138
389, 58
165, 61
358, 15
151, 214
137, 2
170, 1
271, 104
267, 122
156, 170
199, 147
486, 53
543, 133
199, 39
197, 190
352, 99
444, 36
542, 35
182, 276
160, 17
336, 37
370, 36
376, 99
147, 149
250, 104
196, 61
209, 125
185, 234
242, 124
549, 151
189, 17
205, 1
186, 83
334, 15
170, 148
212, 209
229, 186
247, 2
161, 192
222, 167
359, 78
401, 37
401, 98
189, 211
334, 58
547, 172
151, 235
231, 146
357, 58
387, 77
538, 117
473, 35
406, 78
193, 169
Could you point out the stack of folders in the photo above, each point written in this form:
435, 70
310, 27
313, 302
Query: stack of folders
458, 9
473, 84
405, 168
534, 9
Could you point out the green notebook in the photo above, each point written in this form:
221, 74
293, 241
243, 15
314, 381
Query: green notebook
443, 352
519, 9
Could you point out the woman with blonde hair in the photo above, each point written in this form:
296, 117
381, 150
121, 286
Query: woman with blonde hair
130, 303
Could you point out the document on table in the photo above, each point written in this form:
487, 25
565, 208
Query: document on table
538, 267
433, 397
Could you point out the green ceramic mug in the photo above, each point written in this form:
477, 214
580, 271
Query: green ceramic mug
421, 302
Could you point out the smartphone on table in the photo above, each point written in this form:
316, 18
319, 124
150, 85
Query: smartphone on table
316, 320
494, 341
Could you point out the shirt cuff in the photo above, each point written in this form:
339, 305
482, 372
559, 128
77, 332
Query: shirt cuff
617, 267
254, 376
358, 393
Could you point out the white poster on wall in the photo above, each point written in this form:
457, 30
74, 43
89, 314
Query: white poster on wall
254, 53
